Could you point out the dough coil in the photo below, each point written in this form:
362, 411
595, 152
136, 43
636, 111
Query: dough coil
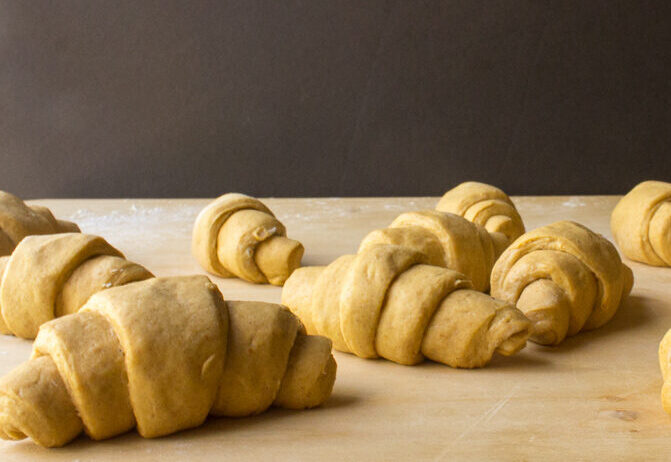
18, 220
161, 355
52, 275
487, 206
564, 277
387, 302
236, 235
641, 223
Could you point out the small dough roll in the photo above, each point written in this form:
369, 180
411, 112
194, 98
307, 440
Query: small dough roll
641, 223
564, 277
52, 275
487, 206
160, 355
237, 235
18, 220
387, 302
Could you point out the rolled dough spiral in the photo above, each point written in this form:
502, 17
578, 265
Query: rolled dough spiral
564, 277
18, 220
53, 275
447, 240
236, 235
641, 223
386, 301
487, 206
161, 355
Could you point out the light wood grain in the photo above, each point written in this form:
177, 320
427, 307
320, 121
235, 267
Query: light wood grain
596, 397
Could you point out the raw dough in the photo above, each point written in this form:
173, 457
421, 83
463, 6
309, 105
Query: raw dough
487, 206
52, 275
236, 235
386, 301
446, 239
161, 355
18, 220
564, 277
665, 366
641, 223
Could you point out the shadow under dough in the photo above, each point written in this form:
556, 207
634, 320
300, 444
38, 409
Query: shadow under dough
633, 313
211, 427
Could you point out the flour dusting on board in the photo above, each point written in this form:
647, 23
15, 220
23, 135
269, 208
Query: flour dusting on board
315, 210
574, 202
324, 209
133, 219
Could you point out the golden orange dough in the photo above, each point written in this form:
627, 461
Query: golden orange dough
446, 240
236, 235
665, 366
52, 275
18, 220
564, 277
160, 355
641, 223
387, 302
487, 206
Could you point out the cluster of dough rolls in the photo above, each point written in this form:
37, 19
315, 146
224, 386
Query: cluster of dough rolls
48, 276
487, 206
472, 225
237, 235
641, 223
161, 355
18, 220
564, 277
387, 301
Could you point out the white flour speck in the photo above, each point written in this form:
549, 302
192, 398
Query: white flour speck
574, 202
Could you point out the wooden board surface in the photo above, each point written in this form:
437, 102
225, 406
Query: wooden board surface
596, 397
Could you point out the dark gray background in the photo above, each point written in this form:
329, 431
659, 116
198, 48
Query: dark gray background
332, 98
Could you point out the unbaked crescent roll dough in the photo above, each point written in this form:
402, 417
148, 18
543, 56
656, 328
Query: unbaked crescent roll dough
236, 235
386, 301
487, 206
446, 239
53, 275
564, 277
641, 223
161, 355
665, 366
18, 220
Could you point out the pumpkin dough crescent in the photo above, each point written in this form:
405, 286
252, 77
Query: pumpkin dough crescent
485, 205
52, 275
641, 223
664, 355
237, 235
18, 220
160, 355
386, 301
564, 277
